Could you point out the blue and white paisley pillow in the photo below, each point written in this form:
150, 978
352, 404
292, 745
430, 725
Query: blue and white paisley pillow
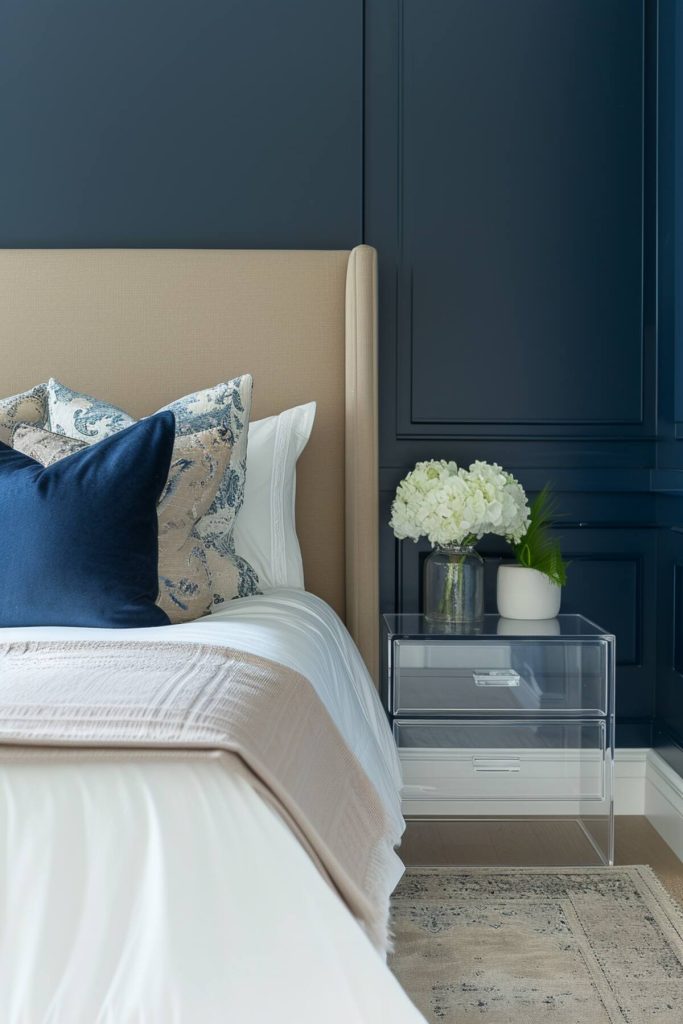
28, 407
227, 405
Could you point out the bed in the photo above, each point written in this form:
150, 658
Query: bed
154, 881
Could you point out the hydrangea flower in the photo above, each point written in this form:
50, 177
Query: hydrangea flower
450, 505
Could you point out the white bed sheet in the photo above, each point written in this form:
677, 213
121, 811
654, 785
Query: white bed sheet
164, 890
147, 887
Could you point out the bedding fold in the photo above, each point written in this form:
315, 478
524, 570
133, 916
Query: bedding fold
194, 696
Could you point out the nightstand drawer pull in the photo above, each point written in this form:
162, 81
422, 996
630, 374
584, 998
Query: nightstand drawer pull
496, 677
496, 764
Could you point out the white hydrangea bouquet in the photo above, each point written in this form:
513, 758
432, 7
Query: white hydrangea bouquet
454, 507
450, 505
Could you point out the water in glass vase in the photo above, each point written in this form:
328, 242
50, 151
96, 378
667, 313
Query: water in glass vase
454, 584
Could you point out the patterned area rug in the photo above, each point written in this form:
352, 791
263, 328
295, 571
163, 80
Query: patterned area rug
539, 945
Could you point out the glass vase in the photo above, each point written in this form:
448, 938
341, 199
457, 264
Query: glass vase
454, 585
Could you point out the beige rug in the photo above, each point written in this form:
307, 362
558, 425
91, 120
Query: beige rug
539, 946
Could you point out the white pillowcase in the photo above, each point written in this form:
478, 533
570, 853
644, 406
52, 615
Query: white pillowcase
265, 529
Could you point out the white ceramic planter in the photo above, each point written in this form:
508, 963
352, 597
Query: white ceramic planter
526, 593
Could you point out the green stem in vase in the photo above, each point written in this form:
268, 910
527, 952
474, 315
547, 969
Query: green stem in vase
453, 573
446, 599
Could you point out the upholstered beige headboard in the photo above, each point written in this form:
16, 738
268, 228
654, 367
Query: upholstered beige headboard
141, 327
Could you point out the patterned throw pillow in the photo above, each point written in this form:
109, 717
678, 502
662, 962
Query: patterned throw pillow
42, 445
198, 464
225, 406
28, 407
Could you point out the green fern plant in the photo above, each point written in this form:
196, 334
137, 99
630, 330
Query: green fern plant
538, 549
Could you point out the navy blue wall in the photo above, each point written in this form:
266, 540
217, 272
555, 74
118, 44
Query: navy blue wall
510, 189
668, 476
501, 154
168, 123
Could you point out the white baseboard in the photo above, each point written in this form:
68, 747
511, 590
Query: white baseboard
644, 784
664, 801
630, 773
433, 780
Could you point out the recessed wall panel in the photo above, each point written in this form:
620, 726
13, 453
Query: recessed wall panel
521, 152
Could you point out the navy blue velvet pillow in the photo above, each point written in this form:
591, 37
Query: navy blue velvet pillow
79, 539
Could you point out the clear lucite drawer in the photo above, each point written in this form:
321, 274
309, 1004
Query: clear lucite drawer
563, 761
505, 729
499, 677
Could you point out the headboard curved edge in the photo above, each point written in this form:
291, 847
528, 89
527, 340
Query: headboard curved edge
361, 457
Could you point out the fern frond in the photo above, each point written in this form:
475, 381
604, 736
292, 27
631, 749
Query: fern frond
538, 549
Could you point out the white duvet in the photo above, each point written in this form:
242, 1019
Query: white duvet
109, 868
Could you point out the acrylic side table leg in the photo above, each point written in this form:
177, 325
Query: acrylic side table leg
611, 741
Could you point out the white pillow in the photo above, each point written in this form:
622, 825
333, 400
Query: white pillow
265, 529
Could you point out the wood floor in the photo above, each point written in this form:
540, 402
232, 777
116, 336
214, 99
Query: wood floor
522, 843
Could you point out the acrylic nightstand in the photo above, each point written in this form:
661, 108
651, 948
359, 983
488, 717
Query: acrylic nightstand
507, 723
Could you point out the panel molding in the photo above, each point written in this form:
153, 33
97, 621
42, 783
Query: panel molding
585, 480
669, 632
677, 638
636, 561
668, 481
490, 431
409, 426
